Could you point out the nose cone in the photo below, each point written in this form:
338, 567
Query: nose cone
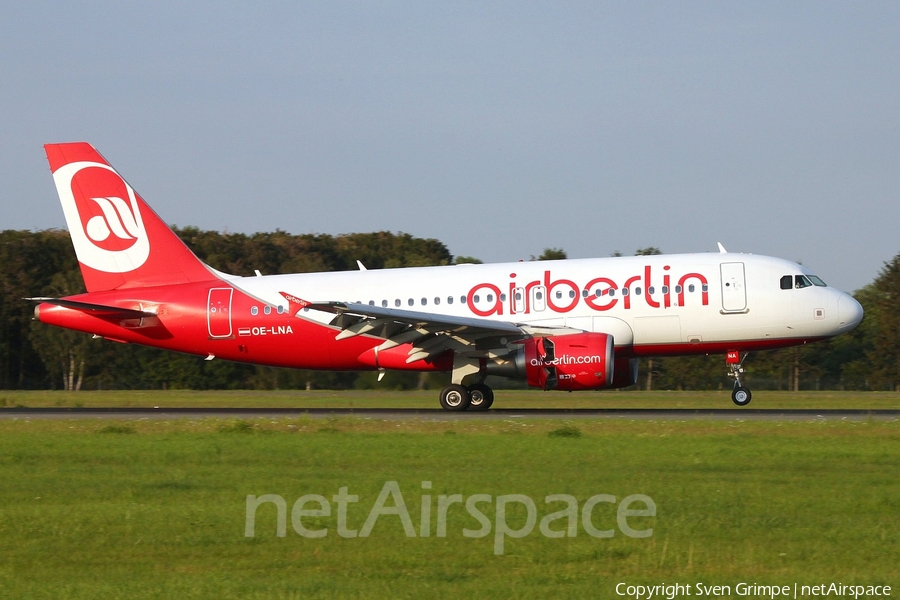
850, 312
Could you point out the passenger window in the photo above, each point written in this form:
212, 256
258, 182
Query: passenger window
691, 288
538, 296
651, 290
463, 300
665, 289
637, 291
280, 309
559, 295
371, 303
449, 299
612, 292
437, 300
411, 302
625, 291
268, 310
502, 297
571, 293
476, 298
254, 310
424, 301
705, 287
384, 303
677, 289
490, 297
787, 282
397, 302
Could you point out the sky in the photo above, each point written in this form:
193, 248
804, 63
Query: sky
499, 128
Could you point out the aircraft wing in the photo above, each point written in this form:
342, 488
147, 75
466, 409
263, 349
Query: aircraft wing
429, 334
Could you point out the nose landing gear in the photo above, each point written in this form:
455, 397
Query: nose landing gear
740, 395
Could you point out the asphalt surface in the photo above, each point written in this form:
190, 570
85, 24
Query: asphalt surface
672, 414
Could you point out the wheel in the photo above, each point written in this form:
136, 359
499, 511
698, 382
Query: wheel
455, 397
481, 396
741, 396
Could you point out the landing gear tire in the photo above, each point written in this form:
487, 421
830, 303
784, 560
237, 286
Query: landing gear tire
455, 397
481, 396
741, 396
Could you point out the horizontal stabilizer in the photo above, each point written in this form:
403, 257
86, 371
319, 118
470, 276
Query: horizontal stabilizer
99, 310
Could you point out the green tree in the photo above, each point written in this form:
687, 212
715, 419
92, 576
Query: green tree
851, 351
64, 352
28, 262
885, 351
552, 254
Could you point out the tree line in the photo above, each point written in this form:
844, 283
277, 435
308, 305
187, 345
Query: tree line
43, 263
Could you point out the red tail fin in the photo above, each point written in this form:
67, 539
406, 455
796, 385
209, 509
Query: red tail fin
120, 242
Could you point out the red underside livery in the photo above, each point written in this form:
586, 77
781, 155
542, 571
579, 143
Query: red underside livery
559, 325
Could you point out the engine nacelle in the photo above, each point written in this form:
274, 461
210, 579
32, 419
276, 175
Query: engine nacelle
582, 361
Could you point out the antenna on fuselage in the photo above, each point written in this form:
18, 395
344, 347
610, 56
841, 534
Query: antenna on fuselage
722, 249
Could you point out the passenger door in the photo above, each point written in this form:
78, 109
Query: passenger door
218, 312
734, 292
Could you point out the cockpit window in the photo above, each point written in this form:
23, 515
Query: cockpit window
800, 281
816, 281
787, 282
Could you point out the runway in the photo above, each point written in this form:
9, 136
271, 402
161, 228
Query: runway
669, 414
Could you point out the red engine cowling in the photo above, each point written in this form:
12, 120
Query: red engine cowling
582, 361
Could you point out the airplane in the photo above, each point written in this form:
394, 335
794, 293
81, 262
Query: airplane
566, 325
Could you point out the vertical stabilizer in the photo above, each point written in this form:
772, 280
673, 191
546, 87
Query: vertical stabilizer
120, 242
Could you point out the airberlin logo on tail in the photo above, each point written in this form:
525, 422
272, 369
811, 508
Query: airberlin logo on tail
116, 219
103, 216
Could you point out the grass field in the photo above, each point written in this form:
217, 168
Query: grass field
93, 508
429, 399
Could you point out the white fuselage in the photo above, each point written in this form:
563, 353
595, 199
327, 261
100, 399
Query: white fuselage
656, 304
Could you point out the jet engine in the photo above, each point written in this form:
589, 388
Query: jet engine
581, 361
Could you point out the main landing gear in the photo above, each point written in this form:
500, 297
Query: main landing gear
740, 395
477, 396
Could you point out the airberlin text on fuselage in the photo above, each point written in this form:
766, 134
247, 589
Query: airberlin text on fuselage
661, 298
